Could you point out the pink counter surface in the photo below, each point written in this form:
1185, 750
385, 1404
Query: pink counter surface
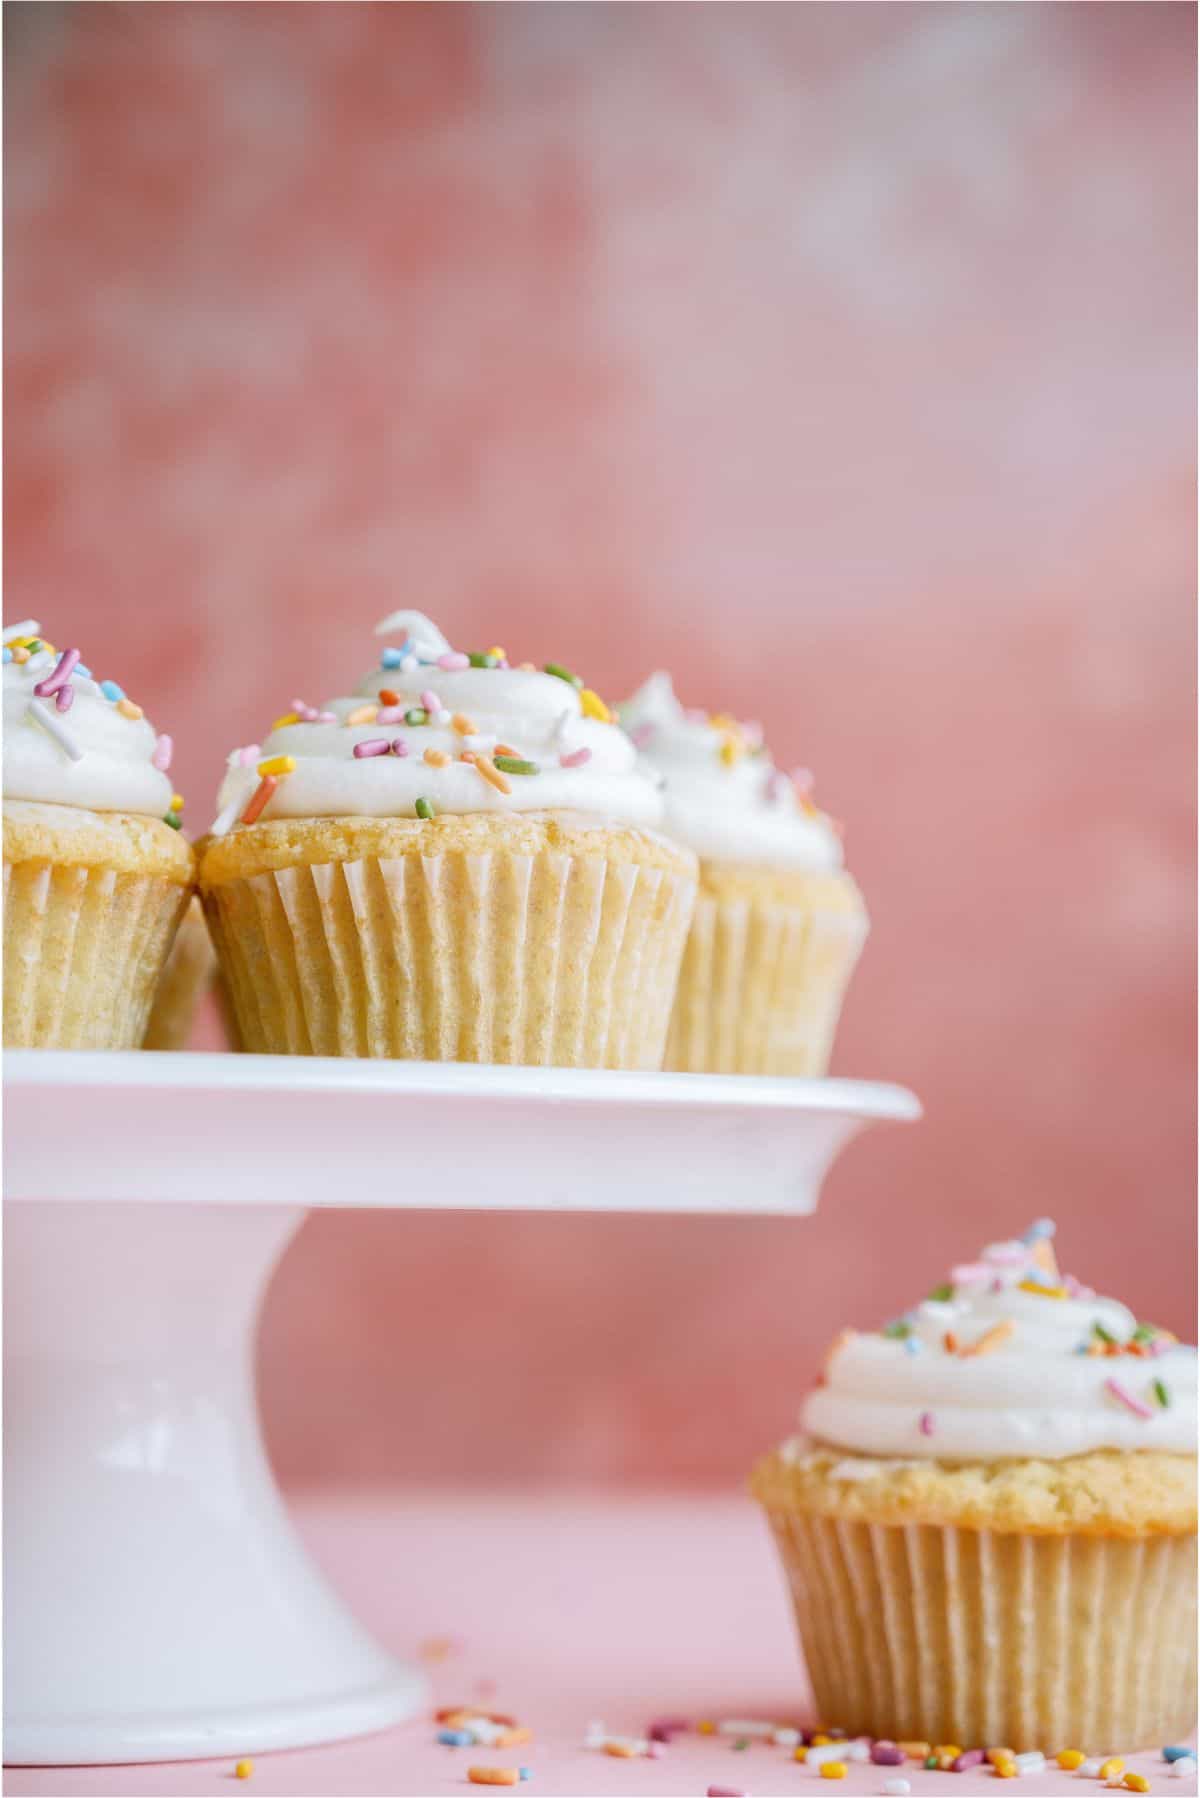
559, 1610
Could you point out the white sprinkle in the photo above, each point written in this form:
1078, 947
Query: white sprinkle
50, 723
28, 627
897, 1786
1185, 1765
828, 1751
1090, 1769
856, 1751
786, 1738
480, 742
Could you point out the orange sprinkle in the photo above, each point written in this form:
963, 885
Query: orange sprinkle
262, 794
991, 1339
507, 749
20, 653
998, 1754
387, 697
363, 714
950, 1342
513, 1738
493, 1776
492, 774
619, 1750
437, 758
127, 709
463, 725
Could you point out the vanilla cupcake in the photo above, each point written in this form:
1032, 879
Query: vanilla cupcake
96, 871
460, 862
989, 1524
778, 924
189, 972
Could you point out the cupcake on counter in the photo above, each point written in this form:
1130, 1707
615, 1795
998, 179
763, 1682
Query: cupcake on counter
461, 861
989, 1523
189, 972
96, 869
778, 924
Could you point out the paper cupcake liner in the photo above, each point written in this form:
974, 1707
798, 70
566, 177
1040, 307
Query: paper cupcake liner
189, 970
550, 958
83, 950
922, 1633
761, 985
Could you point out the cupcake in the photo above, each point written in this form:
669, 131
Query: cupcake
778, 924
460, 862
185, 979
989, 1523
96, 871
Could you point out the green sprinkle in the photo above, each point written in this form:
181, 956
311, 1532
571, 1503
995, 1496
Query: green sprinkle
34, 646
898, 1330
418, 715
742, 1743
478, 660
556, 668
932, 1762
512, 764
1145, 1333
1161, 1394
425, 809
1099, 1330
943, 1293
174, 820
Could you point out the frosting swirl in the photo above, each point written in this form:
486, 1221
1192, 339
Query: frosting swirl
72, 740
724, 796
432, 730
1007, 1360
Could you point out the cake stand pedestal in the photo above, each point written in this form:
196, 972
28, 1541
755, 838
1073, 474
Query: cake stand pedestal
158, 1604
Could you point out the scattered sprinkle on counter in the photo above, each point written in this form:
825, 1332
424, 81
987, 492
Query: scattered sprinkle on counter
244, 1770
493, 1776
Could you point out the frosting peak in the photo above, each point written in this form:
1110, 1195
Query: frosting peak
433, 729
724, 796
1009, 1359
70, 739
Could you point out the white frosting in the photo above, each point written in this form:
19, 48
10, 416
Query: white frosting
725, 798
583, 764
90, 755
1037, 1394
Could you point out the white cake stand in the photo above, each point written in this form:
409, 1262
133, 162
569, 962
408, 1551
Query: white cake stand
158, 1605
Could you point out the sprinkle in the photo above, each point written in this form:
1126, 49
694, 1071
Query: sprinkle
278, 764
64, 699
437, 758
971, 1757
1090, 1769
524, 1772
8, 654
387, 697
897, 1788
623, 1751
912, 1345
492, 774
556, 668
594, 707
833, 1769
898, 1329
1099, 1330
391, 658
1070, 1758
886, 1754
823, 1751
260, 798
464, 726
371, 746
950, 1342
127, 709
174, 820
1161, 1393
424, 809
941, 1295
416, 715
1180, 1753
363, 714
576, 759
1183, 1769
51, 725
399, 746
477, 659
704, 1727
248, 756
164, 749
453, 660
455, 1738
110, 690
785, 1738
430, 701
390, 714
1111, 1768
60, 674
727, 1792
19, 654
281, 723
915, 1751
1124, 1397
1042, 1226
493, 1776
1042, 1290
990, 1341
1137, 1782
243, 1770
514, 764
925, 1423
1006, 1769
994, 1755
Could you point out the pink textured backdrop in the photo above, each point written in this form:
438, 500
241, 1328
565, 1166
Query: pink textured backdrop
841, 358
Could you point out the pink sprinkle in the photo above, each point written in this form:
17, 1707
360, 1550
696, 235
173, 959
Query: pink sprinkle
1160, 1346
163, 751
430, 701
576, 759
663, 1728
64, 699
60, 672
641, 734
656, 1750
390, 714
325, 718
1001, 1255
926, 1423
971, 1757
399, 746
372, 746
453, 660
1124, 1397
970, 1273
249, 755
802, 779
728, 1792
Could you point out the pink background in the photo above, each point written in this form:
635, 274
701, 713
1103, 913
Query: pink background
842, 359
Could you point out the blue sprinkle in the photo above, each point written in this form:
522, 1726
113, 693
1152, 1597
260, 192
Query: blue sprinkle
455, 1738
1041, 1227
524, 1772
391, 658
80, 669
912, 1345
1179, 1754
8, 655
110, 690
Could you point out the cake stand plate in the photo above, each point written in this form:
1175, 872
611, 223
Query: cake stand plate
158, 1603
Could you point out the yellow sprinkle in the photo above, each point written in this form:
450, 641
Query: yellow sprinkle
20, 653
1137, 1782
619, 1750
820, 1741
722, 720
706, 1728
1070, 1758
463, 725
947, 1748
731, 751
363, 714
1111, 1768
800, 1754
999, 1754
127, 709
288, 718
176, 804
594, 706
243, 1770
500, 654
1005, 1769
916, 1751
1043, 1292
437, 758
277, 764
833, 1769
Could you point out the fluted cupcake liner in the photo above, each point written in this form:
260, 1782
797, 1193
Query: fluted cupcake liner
189, 970
83, 950
920, 1632
763, 978
550, 958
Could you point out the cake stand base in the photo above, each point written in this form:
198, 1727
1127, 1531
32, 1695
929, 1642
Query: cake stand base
159, 1605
